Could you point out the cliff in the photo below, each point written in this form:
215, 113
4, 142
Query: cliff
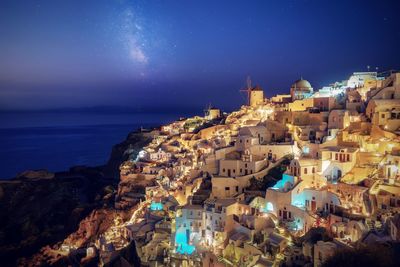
121, 152
39, 208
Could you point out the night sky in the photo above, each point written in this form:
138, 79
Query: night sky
184, 54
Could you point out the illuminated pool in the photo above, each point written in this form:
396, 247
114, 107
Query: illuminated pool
268, 207
281, 183
182, 245
156, 206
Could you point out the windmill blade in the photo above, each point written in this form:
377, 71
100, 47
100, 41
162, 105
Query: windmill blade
248, 82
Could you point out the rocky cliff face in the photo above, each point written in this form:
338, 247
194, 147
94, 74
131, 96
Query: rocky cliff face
39, 209
134, 142
89, 230
37, 212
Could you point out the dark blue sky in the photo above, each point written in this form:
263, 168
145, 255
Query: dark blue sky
180, 54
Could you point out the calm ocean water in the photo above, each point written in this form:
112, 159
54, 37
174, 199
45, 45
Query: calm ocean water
59, 141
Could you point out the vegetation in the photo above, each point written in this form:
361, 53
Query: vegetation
271, 178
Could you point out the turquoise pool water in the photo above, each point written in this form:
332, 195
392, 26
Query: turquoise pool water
285, 179
156, 206
182, 242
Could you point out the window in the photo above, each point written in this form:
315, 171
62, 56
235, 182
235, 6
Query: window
237, 188
348, 157
223, 170
305, 170
383, 116
226, 188
336, 156
313, 170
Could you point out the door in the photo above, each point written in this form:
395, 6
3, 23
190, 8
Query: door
284, 214
313, 205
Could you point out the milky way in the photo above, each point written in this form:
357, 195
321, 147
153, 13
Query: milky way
109, 52
133, 37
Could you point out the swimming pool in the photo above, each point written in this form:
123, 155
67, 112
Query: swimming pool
156, 206
181, 242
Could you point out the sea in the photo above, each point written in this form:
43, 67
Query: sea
58, 140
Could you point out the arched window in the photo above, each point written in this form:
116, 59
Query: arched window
269, 206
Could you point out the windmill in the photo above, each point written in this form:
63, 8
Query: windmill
247, 89
207, 110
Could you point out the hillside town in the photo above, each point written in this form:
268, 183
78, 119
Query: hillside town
255, 186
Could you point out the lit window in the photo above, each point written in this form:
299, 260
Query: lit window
269, 206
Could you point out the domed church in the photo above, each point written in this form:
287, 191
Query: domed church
301, 89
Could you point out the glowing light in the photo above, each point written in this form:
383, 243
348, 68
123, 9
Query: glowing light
269, 207
156, 206
181, 240
285, 179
